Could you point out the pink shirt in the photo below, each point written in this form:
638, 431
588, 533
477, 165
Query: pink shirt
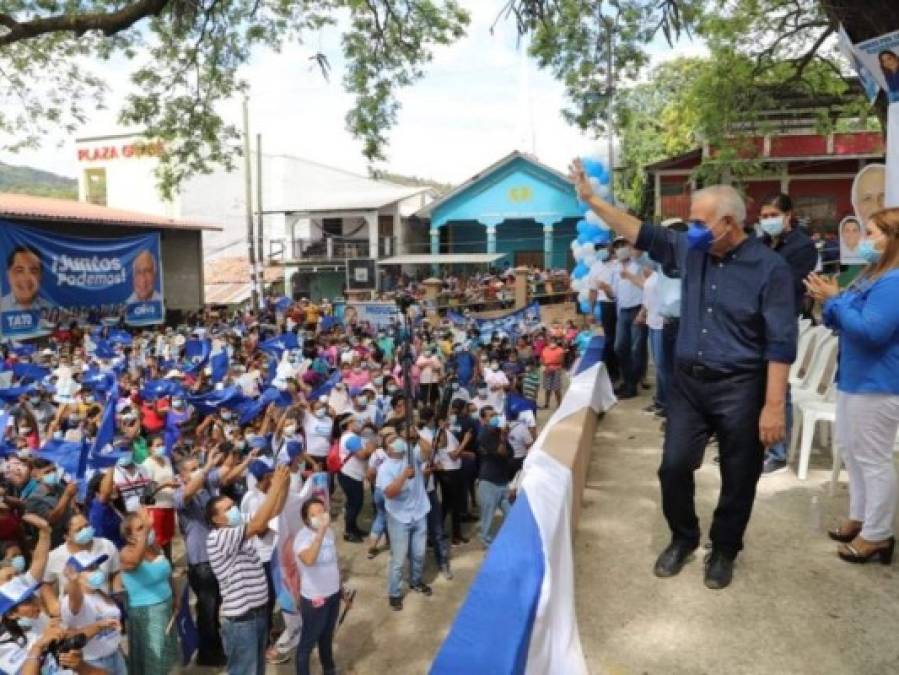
357, 380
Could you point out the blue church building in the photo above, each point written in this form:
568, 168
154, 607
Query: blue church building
518, 207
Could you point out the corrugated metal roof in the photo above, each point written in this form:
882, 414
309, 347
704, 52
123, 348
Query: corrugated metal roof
226, 281
443, 259
226, 294
28, 207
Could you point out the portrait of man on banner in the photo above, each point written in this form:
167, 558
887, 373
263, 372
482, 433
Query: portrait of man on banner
23, 273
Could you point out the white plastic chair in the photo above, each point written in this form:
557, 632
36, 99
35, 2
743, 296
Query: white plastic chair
814, 388
814, 411
806, 347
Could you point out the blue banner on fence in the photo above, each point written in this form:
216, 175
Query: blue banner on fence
51, 278
512, 324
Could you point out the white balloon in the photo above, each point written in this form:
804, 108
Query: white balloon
588, 249
577, 284
575, 246
588, 260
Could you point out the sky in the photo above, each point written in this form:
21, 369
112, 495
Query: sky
480, 99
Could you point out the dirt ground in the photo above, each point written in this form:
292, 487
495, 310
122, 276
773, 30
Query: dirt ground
793, 608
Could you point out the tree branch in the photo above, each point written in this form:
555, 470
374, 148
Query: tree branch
79, 24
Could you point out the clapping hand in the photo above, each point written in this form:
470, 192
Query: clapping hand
820, 287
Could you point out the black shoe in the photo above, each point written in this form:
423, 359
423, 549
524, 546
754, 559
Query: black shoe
352, 538
626, 393
673, 559
773, 466
422, 588
719, 570
396, 604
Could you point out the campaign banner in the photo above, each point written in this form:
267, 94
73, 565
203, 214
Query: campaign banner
51, 278
378, 314
512, 324
880, 57
865, 76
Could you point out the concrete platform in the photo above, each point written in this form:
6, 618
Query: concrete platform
793, 607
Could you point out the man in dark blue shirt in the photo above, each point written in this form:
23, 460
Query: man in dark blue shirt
799, 252
735, 343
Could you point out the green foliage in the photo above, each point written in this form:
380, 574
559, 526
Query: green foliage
25, 180
188, 57
578, 40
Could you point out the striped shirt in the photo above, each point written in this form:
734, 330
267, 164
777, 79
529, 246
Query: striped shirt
237, 568
530, 385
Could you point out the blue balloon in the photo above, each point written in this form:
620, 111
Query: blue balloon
585, 306
582, 226
597, 312
582, 239
580, 270
601, 236
595, 169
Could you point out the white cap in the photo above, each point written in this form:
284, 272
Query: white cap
174, 372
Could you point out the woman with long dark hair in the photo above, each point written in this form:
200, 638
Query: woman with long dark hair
866, 317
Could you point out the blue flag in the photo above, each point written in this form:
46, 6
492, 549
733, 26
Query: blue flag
105, 350
155, 389
282, 304
196, 353
220, 364
29, 371
515, 404
106, 430
70, 456
119, 336
251, 409
278, 344
325, 387
188, 635
229, 397
11, 394
99, 381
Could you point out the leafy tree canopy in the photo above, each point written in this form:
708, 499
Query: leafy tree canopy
187, 57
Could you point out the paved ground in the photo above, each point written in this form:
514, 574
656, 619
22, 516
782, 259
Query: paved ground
793, 608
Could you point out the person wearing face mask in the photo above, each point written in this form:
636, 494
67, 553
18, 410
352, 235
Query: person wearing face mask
152, 601
316, 550
339, 401
45, 496
364, 409
25, 629
493, 476
319, 426
353, 453
430, 374
162, 514
240, 574
407, 508
81, 543
627, 289
799, 252
199, 483
552, 358
866, 317
87, 608
736, 341
497, 384
130, 480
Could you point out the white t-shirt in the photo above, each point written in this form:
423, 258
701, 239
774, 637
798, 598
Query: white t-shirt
443, 459
520, 439
479, 402
601, 274
165, 498
94, 608
653, 302
352, 466
59, 556
628, 294
318, 435
131, 485
265, 544
322, 579
496, 395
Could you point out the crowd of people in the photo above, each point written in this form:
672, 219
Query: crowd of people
133, 457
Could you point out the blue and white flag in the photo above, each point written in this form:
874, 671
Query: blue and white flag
220, 364
188, 635
279, 344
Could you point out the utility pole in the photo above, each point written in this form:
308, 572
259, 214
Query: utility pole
260, 247
248, 196
610, 111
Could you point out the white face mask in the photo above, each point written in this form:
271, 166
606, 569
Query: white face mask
315, 522
622, 254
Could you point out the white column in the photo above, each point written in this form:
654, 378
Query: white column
658, 193
372, 219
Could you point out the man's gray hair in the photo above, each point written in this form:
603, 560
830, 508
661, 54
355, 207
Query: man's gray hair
728, 201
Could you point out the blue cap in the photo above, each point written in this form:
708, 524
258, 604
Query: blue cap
294, 448
14, 592
258, 442
260, 469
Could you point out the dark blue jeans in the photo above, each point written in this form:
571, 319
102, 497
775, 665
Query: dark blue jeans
435, 530
318, 629
656, 348
629, 344
778, 451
